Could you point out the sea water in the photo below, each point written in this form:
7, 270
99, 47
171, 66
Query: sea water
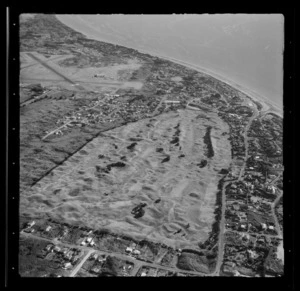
246, 49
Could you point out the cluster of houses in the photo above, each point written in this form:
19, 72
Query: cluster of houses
245, 254
248, 212
29, 227
132, 251
237, 125
67, 256
267, 137
88, 241
97, 263
112, 110
244, 197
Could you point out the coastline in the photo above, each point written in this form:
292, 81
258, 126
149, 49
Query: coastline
267, 104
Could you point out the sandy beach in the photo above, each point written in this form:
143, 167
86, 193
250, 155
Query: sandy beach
266, 103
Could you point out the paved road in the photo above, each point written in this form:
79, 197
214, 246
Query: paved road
138, 263
255, 114
222, 221
277, 226
77, 268
221, 242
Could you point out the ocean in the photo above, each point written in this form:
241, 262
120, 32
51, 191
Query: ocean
244, 49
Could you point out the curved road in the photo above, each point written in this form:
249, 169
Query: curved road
222, 221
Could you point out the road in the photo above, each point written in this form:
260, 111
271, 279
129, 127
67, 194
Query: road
255, 114
277, 226
68, 122
77, 268
222, 221
137, 263
221, 233
50, 68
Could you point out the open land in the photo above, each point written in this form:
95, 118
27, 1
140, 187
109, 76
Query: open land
132, 165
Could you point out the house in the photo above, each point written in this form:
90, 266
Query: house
128, 250
95, 256
252, 254
101, 259
271, 227
143, 274
89, 239
243, 226
49, 247
136, 252
56, 249
272, 189
31, 224
48, 228
96, 270
263, 226
236, 207
67, 265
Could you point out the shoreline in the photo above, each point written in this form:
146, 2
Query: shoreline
267, 104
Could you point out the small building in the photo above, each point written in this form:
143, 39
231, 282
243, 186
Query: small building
271, 227
31, 224
48, 228
95, 256
143, 274
101, 259
252, 254
49, 247
57, 249
67, 265
136, 252
128, 250
89, 239
243, 226
95, 270
263, 226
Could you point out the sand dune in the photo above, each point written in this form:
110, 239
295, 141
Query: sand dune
179, 197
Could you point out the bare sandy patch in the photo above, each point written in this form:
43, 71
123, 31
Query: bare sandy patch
177, 195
